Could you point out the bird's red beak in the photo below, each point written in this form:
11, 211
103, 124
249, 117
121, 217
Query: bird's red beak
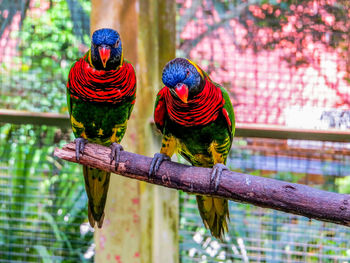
104, 54
182, 92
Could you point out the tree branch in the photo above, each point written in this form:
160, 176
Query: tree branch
265, 192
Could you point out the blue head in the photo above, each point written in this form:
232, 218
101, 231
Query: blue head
182, 78
106, 49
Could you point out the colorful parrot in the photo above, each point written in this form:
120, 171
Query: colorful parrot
196, 118
101, 92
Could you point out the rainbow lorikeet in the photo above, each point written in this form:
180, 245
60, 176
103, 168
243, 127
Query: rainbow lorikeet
101, 92
196, 118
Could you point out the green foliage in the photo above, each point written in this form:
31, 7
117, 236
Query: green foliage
43, 206
263, 235
44, 254
43, 215
47, 49
343, 184
260, 235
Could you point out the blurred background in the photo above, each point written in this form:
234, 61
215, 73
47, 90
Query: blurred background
286, 65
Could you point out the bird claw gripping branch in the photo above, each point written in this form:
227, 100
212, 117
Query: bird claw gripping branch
115, 153
216, 174
79, 147
156, 162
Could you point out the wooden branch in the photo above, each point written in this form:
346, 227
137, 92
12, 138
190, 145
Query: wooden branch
265, 192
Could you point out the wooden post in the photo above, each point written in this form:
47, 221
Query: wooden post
141, 223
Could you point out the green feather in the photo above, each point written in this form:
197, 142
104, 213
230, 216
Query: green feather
96, 186
205, 146
102, 123
228, 106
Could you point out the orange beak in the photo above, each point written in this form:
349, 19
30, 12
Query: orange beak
182, 92
104, 54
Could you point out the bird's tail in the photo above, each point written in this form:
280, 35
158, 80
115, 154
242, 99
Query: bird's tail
214, 213
96, 186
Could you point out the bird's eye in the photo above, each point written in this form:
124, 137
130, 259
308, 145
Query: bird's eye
116, 44
187, 73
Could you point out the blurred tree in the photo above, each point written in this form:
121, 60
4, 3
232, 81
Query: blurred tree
302, 29
48, 46
8, 10
80, 18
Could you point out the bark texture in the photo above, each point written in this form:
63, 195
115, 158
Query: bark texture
264, 192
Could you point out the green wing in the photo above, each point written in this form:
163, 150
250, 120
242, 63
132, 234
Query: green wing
228, 106
230, 116
69, 102
228, 111
160, 111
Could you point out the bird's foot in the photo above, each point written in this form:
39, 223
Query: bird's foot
215, 176
156, 162
115, 153
79, 147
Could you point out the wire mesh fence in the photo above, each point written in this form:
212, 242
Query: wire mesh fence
264, 235
39, 41
284, 63
43, 202
260, 235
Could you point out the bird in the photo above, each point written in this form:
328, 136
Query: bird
101, 93
196, 118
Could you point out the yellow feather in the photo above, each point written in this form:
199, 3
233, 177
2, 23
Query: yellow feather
169, 145
214, 211
77, 125
198, 68
96, 186
122, 59
118, 128
219, 206
208, 203
89, 58
83, 135
217, 157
